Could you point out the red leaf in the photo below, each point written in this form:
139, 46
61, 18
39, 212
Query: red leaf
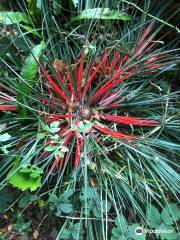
8, 108
103, 89
78, 154
129, 120
95, 71
55, 86
114, 134
71, 84
80, 76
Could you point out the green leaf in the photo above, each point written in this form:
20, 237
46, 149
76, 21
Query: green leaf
84, 127
153, 216
30, 67
22, 226
5, 137
27, 198
77, 231
22, 179
120, 237
166, 232
4, 148
56, 7
33, 10
73, 127
34, 175
66, 194
170, 213
65, 234
117, 233
54, 130
132, 232
6, 198
25, 181
101, 13
41, 136
45, 127
9, 18
88, 193
28, 73
64, 149
101, 208
59, 153
66, 207
61, 203
75, 2
121, 223
30, 30
54, 124
50, 148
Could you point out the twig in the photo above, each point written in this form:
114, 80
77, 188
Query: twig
156, 18
85, 218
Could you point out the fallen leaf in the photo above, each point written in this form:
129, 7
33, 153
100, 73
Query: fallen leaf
10, 228
35, 234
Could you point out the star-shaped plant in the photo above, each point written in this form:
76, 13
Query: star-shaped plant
88, 113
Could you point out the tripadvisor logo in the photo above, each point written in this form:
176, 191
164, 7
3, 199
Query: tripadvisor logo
139, 231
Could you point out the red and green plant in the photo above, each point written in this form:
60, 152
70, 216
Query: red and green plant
90, 122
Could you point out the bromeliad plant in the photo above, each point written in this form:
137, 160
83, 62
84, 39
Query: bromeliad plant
82, 101
86, 95
95, 120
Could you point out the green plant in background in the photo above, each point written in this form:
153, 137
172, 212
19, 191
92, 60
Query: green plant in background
6, 198
160, 222
73, 231
169, 216
88, 114
61, 204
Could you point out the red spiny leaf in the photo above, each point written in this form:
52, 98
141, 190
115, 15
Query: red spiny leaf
63, 105
56, 115
8, 108
146, 31
49, 120
107, 83
78, 154
159, 65
55, 163
111, 97
95, 71
100, 77
80, 76
68, 136
103, 89
75, 68
155, 58
63, 130
49, 103
71, 84
55, 86
143, 39
129, 120
142, 46
115, 60
114, 134
60, 78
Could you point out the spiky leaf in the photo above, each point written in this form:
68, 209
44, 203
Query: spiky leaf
9, 18
101, 13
